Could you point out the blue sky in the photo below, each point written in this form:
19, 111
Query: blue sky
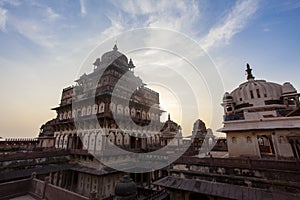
43, 44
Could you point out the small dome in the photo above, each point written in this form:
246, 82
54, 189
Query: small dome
227, 96
126, 188
114, 56
288, 88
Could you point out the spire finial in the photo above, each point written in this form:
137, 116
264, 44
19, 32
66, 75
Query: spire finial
115, 48
249, 72
169, 117
130, 64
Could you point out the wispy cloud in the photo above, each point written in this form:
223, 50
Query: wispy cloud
3, 18
290, 5
39, 29
36, 32
51, 14
235, 21
163, 14
82, 7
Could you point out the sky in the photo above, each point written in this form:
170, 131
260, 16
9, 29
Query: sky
44, 44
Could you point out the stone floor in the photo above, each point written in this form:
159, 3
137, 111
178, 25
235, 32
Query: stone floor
24, 197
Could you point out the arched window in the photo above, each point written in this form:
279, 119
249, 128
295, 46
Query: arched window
249, 140
144, 115
95, 109
119, 109
89, 110
281, 139
101, 107
69, 114
83, 112
112, 107
233, 140
132, 112
126, 111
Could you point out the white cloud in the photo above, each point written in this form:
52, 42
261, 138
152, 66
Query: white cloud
40, 29
176, 15
82, 7
36, 32
235, 21
3, 19
50, 14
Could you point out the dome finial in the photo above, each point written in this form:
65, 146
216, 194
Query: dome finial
249, 72
115, 48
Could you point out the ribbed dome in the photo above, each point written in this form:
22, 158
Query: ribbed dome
256, 92
288, 88
114, 56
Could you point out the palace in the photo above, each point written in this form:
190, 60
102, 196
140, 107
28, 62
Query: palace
107, 142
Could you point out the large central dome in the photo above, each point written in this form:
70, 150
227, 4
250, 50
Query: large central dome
256, 92
114, 56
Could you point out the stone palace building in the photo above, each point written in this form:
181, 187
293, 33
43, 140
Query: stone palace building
109, 123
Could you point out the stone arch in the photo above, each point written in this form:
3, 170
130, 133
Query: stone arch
61, 141
120, 109
74, 113
99, 138
144, 115
101, 107
234, 140
89, 110
92, 141
126, 110
85, 140
112, 107
111, 137
152, 116
65, 115
57, 140
132, 112
69, 114
248, 139
153, 139
119, 139
126, 139
95, 109
83, 111
65, 141
78, 112
61, 115
149, 140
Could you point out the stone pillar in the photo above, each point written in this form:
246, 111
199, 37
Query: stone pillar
46, 182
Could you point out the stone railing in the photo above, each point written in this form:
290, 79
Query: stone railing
293, 165
39, 190
33, 154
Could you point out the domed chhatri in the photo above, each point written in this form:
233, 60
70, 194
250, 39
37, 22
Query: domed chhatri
260, 118
259, 94
115, 57
125, 189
